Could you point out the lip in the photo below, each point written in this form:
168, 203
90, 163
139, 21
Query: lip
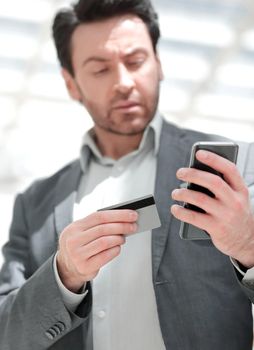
126, 105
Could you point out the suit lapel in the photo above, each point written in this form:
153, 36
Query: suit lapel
173, 154
66, 192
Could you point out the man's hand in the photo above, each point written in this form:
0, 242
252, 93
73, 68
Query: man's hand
229, 218
88, 244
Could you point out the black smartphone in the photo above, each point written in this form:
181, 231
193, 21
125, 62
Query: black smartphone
228, 150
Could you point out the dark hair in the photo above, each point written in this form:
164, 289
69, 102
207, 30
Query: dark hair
85, 11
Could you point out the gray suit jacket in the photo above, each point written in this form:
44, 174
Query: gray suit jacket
201, 303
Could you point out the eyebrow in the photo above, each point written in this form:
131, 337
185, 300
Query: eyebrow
137, 51
103, 60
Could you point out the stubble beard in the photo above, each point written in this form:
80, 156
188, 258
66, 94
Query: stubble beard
119, 130
114, 130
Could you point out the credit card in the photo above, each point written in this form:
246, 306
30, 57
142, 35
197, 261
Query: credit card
148, 218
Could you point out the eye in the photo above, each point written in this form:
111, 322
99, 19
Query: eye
136, 63
101, 71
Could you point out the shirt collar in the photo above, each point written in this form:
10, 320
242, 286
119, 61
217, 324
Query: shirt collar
151, 135
156, 125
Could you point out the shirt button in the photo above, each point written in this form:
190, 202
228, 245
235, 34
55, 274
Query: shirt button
101, 314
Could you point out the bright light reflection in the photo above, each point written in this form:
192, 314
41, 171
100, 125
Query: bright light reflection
40, 124
49, 53
248, 40
48, 85
229, 107
235, 130
17, 45
236, 74
184, 65
31, 10
11, 80
196, 29
172, 99
7, 111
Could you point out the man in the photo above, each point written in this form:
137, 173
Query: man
78, 278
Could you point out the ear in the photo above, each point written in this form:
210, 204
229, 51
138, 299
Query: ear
161, 74
71, 85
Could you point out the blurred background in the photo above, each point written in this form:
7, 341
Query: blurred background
207, 51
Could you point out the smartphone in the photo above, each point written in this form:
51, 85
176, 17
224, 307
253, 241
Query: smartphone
228, 150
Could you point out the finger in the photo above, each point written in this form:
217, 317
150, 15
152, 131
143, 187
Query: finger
83, 238
224, 166
199, 199
96, 262
212, 182
101, 244
200, 220
107, 216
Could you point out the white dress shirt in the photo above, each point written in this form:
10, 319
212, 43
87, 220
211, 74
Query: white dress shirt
124, 307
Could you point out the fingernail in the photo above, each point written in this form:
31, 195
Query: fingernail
134, 215
180, 173
174, 193
134, 227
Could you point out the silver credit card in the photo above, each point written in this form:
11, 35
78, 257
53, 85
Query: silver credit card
148, 218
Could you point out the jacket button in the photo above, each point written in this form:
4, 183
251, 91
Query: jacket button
50, 334
101, 314
55, 330
61, 326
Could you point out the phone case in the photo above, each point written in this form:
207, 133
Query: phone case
228, 150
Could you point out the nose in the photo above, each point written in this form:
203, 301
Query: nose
124, 82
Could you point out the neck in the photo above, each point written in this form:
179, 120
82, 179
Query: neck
119, 145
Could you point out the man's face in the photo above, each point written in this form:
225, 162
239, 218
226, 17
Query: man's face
116, 74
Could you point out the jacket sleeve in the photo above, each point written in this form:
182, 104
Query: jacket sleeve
32, 312
247, 282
